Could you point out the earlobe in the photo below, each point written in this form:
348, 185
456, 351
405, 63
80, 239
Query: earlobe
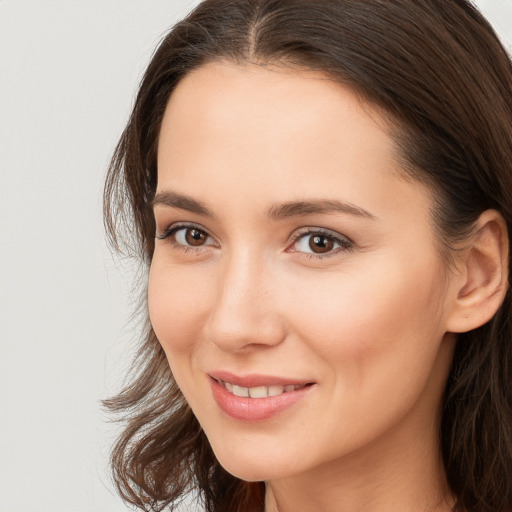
484, 274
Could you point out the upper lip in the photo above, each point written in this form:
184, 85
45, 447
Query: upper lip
256, 380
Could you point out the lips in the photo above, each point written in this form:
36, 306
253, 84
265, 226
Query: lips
256, 380
256, 397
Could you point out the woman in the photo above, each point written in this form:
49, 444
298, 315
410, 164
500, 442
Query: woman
322, 192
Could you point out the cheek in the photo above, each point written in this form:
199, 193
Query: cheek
373, 322
174, 306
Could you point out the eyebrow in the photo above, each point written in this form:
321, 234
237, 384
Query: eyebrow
174, 200
301, 208
274, 213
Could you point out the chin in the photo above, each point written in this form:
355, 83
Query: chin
250, 472
257, 466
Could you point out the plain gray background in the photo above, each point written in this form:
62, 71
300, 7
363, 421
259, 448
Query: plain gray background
68, 74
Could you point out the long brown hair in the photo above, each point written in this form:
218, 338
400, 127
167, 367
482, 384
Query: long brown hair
439, 73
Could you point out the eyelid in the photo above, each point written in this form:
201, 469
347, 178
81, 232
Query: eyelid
166, 235
345, 243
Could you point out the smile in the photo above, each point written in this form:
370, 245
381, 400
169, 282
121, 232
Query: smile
260, 391
260, 399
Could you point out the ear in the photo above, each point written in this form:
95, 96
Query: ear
483, 267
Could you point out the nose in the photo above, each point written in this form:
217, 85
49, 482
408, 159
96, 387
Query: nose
245, 315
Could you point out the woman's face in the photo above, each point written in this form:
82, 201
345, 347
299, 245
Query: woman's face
295, 264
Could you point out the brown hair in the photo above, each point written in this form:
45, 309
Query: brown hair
438, 71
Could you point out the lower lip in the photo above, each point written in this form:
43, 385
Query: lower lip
254, 409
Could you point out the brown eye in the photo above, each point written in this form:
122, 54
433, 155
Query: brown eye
321, 244
187, 236
195, 237
318, 243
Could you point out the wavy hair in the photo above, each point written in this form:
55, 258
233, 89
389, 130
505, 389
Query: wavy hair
439, 73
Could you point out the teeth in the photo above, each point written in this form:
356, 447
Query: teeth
240, 391
275, 390
259, 391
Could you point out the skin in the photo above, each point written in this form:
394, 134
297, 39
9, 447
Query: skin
368, 322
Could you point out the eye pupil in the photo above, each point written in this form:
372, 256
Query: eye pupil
195, 237
321, 244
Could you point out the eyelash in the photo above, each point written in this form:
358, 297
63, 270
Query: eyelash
168, 236
343, 242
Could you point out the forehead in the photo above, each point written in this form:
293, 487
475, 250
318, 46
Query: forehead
277, 131
223, 92
265, 111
